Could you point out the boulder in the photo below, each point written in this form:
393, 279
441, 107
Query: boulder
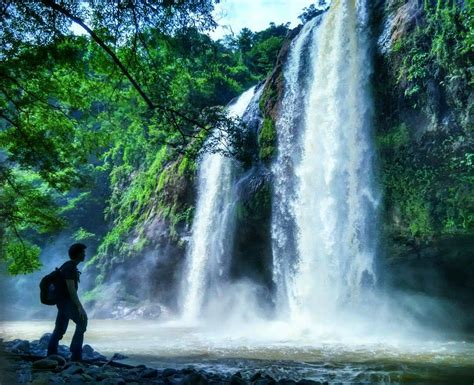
175, 379
149, 373
88, 353
264, 381
59, 359
118, 356
44, 340
195, 379
237, 380
256, 377
169, 372
73, 369
41, 379
45, 364
21, 346
87, 349
114, 381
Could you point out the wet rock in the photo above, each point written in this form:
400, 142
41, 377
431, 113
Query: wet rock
114, 381
21, 346
118, 356
265, 381
87, 377
41, 379
64, 351
308, 382
45, 364
88, 353
286, 382
59, 359
175, 379
237, 379
105, 375
93, 371
256, 377
73, 369
88, 350
75, 378
149, 373
56, 380
195, 379
169, 372
44, 340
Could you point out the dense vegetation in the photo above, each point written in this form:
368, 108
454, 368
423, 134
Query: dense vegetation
99, 130
425, 135
101, 144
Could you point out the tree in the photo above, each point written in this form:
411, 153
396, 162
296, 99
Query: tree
312, 11
50, 100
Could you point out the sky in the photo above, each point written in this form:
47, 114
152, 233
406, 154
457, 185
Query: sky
233, 15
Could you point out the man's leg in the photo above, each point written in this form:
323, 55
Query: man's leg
62, 320
78, 337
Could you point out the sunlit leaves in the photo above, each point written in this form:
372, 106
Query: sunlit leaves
21, 257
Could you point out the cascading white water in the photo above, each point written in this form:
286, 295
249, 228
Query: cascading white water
210, 242
332, 210
283, 169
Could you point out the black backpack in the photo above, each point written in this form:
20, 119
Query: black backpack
50, 287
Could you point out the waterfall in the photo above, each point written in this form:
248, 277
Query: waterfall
209, 247
325, 197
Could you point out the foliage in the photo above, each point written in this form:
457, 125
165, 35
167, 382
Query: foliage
258, 51
438, 50
83, 235
267, 139
429, 185
109, 113
425, 125
312, 11
22, 257
26, 207
74, 108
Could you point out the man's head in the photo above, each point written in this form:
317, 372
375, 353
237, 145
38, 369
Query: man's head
77, 252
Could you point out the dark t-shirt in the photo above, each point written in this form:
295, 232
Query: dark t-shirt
69, 271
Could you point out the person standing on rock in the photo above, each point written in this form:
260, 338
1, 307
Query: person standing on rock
69, 306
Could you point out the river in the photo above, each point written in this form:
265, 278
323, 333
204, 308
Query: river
276, 352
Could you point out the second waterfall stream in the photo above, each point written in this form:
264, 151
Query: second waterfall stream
209, 251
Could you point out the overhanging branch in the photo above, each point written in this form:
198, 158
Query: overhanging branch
104, 46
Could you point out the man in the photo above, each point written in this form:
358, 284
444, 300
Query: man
69, 306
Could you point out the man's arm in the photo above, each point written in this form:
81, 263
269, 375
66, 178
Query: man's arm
71, 288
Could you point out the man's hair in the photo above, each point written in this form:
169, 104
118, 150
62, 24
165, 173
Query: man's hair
75, 249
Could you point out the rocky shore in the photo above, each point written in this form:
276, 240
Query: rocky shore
25, 362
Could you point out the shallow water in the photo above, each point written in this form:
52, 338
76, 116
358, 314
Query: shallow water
274, 351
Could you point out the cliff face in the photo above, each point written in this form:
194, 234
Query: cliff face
422, 90
423, 96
